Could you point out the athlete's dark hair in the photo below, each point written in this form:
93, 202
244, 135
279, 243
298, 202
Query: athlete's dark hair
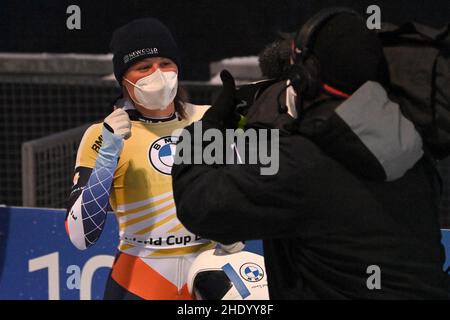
179, 101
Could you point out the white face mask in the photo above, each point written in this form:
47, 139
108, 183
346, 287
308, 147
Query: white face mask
157, 90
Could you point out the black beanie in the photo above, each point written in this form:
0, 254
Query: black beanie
140, 39
349, 53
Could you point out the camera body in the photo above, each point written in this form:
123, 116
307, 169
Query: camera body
247, 94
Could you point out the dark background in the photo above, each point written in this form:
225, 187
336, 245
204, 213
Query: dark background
205, 30
35, 105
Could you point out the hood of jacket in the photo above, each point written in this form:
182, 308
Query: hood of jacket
367, 133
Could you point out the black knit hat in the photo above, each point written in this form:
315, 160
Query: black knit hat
140, 39
349, 53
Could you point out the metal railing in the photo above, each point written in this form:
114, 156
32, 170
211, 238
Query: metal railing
48, 163
32, 110
47, 168
42, 94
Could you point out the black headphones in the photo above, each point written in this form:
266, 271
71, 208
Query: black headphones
304, 74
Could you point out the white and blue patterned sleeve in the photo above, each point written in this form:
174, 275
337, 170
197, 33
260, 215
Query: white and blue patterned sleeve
89, 200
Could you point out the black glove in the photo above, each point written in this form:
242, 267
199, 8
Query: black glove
222, 112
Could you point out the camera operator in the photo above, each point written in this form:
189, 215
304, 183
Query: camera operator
355, 191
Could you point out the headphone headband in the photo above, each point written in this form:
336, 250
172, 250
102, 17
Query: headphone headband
305, 72
305, 36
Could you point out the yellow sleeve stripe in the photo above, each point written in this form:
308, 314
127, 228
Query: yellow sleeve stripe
176, 228
147, 216
124, 247
133, 205
155, 225
181, 251
148, 206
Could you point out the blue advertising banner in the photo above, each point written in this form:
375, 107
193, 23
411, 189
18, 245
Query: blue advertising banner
38, 261
446, 242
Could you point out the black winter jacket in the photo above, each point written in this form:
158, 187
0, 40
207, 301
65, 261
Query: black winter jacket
353, 191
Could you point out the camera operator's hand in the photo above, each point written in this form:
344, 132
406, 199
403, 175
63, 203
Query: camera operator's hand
222, 111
